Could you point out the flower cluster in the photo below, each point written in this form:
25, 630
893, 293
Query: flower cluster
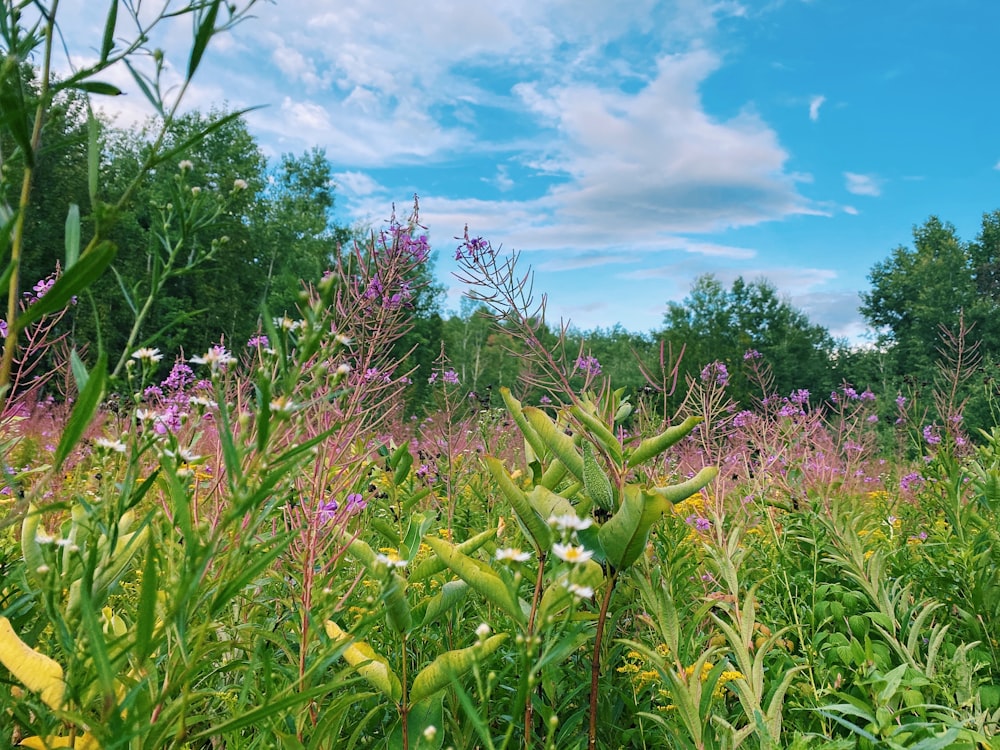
588, 365
715, 372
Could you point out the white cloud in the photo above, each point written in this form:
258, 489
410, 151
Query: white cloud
850, 210
356, 183
997, 166
863, 184
814, 104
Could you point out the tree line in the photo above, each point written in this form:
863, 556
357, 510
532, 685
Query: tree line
273, 225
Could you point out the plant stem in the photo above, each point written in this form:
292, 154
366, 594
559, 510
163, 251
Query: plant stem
595, 666
17, 235
529, 708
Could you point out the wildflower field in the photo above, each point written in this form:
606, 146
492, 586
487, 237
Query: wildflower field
261, 545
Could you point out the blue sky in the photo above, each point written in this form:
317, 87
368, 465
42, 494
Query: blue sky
627, 148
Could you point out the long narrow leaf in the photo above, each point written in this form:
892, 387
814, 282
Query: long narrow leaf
73, 282
83, 410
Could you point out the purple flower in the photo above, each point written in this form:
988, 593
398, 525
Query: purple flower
327, 511
256, 342
900, 401
930, 435
742, 418
545, 400
867, 395
872, 418
801, 396
751, 354
179, 378
913, 480
715, 371
450, 377
589, 365
3, 328
850, 393
355, 503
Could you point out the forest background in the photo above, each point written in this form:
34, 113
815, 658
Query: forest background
278, 226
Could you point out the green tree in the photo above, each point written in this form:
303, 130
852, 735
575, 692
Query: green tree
715, 323
917, 290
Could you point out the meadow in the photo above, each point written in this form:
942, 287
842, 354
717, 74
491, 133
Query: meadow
256, 550
261, 545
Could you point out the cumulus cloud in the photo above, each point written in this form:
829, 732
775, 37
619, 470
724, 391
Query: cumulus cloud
863, 184
814, 104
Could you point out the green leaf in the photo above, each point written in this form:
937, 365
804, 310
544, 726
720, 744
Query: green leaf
426, 713
433, 565
141, 81
530, 436
84, 409
72, 236
654, 446
624, 536
206, 28
447, 598
479, 576
397, 607
146, 620
98, 87
599, 430
79, 370
535, 526
450, 666
84, 272
555, 440
366, 662
676, 493
108, 41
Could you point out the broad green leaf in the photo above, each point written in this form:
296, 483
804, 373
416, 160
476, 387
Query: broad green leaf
73, 281
87, 403
444, 600
535, 526
624, 536
654, 446
450, 666
79, 370
433, 565
479, 576
557, 441
530, 436
676, 493
600, 431
370, 665
397, 607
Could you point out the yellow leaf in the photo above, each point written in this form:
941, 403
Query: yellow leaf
370, 665
85, 741
36, 671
